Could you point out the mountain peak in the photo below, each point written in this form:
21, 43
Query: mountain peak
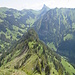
45, 7
44, 10
31, 34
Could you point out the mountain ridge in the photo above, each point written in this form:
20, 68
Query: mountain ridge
30, 56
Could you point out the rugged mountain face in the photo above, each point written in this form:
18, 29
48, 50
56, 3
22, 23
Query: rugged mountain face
13, 23
30, 56
57, 29
44, 10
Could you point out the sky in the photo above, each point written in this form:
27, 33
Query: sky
37, 4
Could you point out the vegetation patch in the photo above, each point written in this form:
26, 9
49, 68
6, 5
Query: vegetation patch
52, 46
68, 37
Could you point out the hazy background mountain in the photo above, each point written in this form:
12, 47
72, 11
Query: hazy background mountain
57, 29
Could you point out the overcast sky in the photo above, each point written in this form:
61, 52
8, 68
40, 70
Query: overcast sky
36, 4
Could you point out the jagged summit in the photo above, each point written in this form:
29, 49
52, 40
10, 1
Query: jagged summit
44, 10
45, 7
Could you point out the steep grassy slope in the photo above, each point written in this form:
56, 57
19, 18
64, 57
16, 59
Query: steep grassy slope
14, 23
30, 56
57, 29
